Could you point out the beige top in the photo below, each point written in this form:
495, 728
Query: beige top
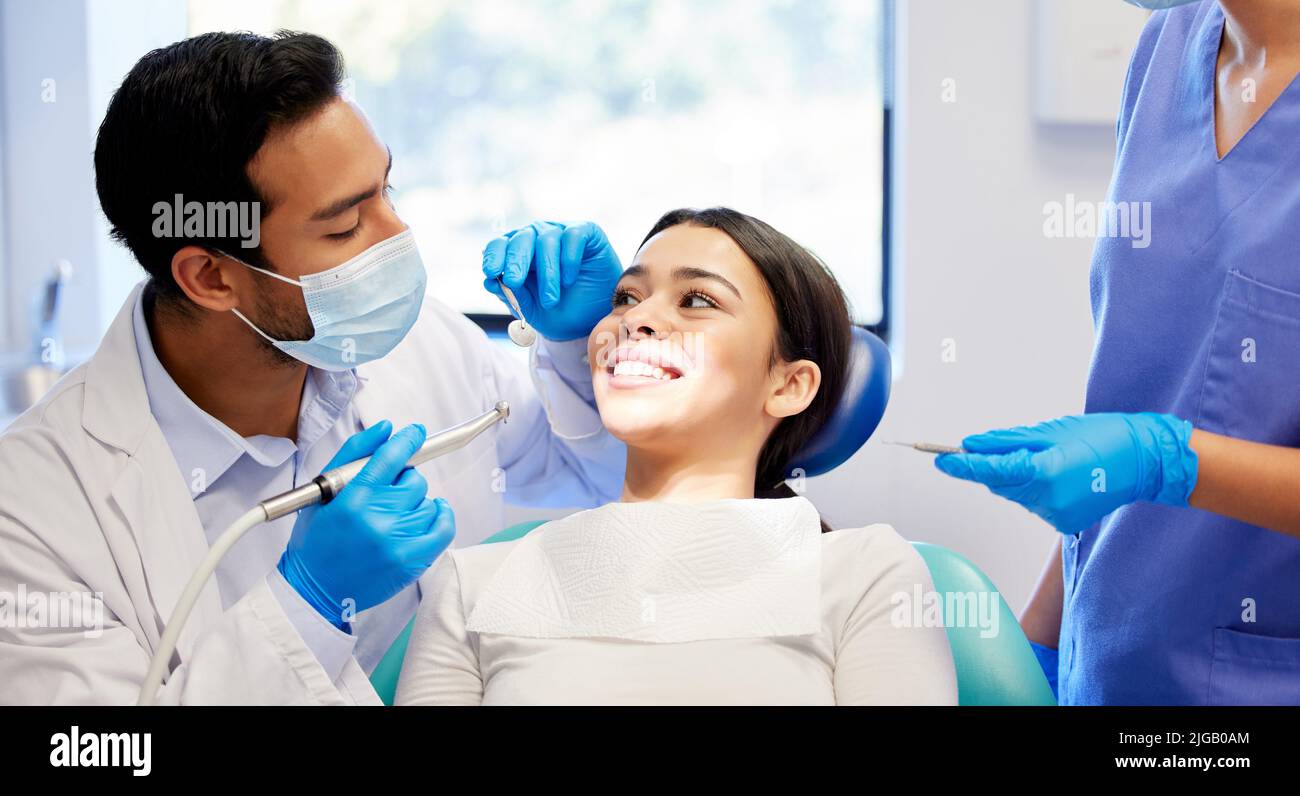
727, 602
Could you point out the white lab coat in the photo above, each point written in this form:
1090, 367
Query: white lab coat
92, 500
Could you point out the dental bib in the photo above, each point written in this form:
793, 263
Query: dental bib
663, 573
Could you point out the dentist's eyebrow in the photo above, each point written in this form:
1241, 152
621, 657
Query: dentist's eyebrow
334, 209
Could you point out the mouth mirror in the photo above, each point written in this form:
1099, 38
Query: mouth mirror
521, 334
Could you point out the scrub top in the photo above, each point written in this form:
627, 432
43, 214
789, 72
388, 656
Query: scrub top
1171, 605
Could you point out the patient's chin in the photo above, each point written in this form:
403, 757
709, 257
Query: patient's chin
638, 429
661, 416
644, 424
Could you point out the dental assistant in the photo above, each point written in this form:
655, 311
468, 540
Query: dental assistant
1178, 492
236, 372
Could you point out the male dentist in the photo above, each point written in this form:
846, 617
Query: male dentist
243, 366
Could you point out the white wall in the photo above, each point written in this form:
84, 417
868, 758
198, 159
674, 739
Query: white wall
49, 204
60, 61
974, 266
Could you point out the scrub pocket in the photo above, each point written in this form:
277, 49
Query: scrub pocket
1252, 373
1254, 670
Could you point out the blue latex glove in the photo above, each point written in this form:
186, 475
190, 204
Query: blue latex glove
378, 535
1075, 470
562, 276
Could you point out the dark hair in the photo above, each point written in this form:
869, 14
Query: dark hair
187, 120
812, 322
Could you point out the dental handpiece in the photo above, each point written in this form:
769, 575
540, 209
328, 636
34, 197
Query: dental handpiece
321, 490
521, 334
324, 487
929, 447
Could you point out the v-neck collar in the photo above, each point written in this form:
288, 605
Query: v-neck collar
1260, 133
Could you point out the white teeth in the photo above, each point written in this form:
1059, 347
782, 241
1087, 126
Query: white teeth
632, 367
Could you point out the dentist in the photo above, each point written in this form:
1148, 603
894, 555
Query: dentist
1177, 580
243, 367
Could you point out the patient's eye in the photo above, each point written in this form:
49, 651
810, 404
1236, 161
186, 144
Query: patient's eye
624, 298
697, 300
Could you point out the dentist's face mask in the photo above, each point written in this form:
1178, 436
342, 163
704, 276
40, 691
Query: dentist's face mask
361, 309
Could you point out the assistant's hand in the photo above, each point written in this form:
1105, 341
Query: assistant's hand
563, 276
377, 536
1075, 470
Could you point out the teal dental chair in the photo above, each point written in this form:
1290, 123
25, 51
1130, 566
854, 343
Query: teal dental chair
996, 670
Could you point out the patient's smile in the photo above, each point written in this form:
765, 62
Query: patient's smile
645, 364
627, 371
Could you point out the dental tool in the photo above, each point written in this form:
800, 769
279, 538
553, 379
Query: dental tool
929, 447
521, 334
322, 489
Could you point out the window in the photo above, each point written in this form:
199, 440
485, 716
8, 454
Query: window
499, 112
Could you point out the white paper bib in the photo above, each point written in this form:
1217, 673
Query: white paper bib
662, 572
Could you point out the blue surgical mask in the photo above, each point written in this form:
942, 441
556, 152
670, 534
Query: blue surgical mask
361, 309
1159, 5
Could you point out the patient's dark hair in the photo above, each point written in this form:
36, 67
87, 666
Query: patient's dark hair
187, 119
812, 322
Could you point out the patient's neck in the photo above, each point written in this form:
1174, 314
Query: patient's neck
686, 478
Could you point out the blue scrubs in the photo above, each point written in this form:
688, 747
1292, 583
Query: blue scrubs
1180, 606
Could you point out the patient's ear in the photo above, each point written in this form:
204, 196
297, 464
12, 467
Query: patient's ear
795, 386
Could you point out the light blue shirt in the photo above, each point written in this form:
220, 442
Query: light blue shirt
228, 473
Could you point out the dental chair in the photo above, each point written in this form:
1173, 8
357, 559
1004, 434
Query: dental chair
997, 670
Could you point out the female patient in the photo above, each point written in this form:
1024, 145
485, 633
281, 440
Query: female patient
711, 582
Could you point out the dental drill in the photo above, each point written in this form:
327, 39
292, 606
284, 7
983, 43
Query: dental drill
322, 489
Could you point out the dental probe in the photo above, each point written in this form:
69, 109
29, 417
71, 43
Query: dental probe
929, 447
521, 334
322, 489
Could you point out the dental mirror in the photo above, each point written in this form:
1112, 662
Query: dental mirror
520, 333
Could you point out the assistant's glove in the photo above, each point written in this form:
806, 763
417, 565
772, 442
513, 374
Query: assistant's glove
1074, 470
